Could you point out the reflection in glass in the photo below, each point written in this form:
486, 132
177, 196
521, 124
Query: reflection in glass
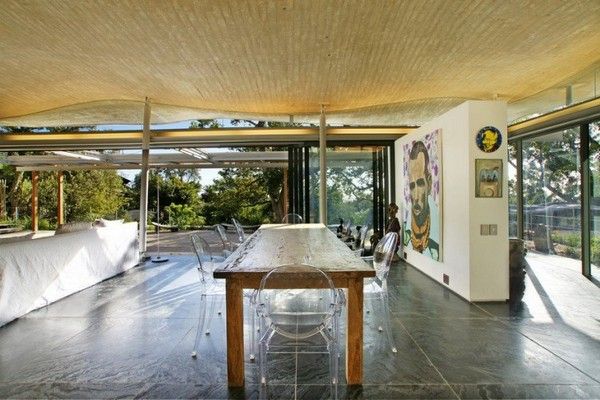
551, 196
595, 198
512, 191
349, 184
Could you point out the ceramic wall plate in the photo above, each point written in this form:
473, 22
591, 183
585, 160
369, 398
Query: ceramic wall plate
488, 139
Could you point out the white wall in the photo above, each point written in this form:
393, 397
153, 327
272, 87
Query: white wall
476, 265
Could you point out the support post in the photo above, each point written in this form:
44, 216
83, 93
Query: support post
323, 168
144, 180
35, 177
60, 211
285, 195
519, 149
586, 194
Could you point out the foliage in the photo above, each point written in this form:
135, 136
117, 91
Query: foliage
550, 169
172, 189
93, 194
183, 216
349, 191
571, 239
237, 193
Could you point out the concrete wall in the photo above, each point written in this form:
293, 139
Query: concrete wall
477, 265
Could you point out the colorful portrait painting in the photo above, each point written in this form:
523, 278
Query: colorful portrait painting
488, 178
422, 216
488, 139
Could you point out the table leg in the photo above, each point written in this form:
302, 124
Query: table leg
354, 333
235, 332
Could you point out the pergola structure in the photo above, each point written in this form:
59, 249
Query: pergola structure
371, 62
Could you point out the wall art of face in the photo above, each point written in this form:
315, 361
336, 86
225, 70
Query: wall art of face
420, 186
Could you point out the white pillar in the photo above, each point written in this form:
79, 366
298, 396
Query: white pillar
323, 168
144, 179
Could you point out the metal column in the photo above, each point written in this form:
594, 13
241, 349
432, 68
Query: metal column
144, 179
323, 168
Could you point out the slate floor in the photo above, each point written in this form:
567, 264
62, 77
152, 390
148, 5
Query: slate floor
131, 337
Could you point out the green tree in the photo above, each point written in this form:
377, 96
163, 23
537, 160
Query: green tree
173, 189
93, 194
240, 194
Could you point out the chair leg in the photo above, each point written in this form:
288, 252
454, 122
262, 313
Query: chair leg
263, 362
211, 314
252, 331
386, 319
334, 359
201, 320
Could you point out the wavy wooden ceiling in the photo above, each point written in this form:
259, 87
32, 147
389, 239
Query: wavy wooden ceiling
373, 62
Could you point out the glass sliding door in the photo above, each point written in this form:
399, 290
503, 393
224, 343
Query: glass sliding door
352, 179
552, 198
512, 192
594, 162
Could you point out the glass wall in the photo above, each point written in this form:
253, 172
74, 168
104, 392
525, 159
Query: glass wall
552, 197
594, 162
512, 192
350, 184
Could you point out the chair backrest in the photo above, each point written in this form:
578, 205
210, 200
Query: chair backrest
239, 230
362, 236
221, 232
297, 313
346, 228
292, 219
204, 254
383, 254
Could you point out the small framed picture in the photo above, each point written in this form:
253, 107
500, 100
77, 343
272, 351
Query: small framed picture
488, 177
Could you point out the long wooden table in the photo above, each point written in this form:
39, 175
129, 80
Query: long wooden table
278, 244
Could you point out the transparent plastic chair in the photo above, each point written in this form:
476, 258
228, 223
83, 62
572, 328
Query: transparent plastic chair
292, 219
299, 314
213, 291
228, 246
239, 230
362, 236
377, 288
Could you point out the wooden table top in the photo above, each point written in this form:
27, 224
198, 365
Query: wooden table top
278, 244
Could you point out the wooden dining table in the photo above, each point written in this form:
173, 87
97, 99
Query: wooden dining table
273, 245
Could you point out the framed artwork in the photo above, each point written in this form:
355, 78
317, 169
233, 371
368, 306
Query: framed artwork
422, 176
488, 139
488, 177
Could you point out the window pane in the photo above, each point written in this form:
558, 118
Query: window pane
512, 191
551, 191
595, 198
349, 184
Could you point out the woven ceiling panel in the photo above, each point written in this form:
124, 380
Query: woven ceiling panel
372, 61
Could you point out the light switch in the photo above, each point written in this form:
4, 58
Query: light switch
494, 230
485, 230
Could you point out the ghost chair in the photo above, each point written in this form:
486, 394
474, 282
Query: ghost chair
376, 289
359, 249
228, 245
299, 314
292, 219
213, 291
241, 236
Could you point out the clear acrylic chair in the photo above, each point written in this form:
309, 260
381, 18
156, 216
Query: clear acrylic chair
362, 236
213, 291
376, 289
299, 314
228, 246
239, 230
292, 219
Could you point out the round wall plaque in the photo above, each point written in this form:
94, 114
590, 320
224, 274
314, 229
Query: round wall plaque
488, 139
